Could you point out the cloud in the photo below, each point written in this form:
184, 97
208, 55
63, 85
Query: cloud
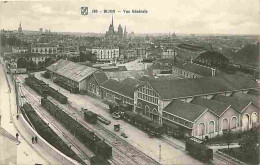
40, 9
185, 16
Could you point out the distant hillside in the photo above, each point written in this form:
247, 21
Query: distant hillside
248, 55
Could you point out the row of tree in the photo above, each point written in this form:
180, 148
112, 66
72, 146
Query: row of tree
30, 65
12, 41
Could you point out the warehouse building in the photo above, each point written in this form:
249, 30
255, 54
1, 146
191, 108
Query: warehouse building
72, 74
200, 55
152, 97
117, 92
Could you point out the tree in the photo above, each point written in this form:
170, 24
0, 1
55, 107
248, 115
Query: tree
249, 146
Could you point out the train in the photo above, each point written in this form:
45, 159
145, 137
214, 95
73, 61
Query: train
90, 117
198, 149
147, 125
97, 160
44, 89
66, 86
151, 127
86, 136
46, 132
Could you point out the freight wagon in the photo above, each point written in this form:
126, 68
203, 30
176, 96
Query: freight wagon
90, 117
86, 136
198, 149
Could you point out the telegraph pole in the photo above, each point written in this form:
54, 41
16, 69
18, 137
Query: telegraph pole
160, 152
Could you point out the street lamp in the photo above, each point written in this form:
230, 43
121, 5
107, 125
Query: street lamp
160, 147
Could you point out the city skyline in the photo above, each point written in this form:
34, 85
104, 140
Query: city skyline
183, 17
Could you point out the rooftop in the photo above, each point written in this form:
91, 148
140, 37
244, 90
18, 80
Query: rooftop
121, 75
198, 69
216, 107
170, 89
238, 104
189, 47
243, 96
119, 87
133, 82
71, 70
100, 77
185, 110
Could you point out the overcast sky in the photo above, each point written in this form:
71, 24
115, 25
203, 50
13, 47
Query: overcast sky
164, 16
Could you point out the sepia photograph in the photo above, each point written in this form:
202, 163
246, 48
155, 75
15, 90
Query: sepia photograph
133, 82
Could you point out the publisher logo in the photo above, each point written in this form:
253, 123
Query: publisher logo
84, 10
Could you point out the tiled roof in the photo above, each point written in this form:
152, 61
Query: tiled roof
71, 70
121, 75
6, 134
252, 98
100, 77
216, 107
238, 104
190, 47
184, 110
133, 82
254, 92
213, 53
198, 69
119, 87
170, 89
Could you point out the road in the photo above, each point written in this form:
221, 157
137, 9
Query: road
26, 152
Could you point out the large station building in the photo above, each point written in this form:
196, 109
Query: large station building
200, 55
204, 106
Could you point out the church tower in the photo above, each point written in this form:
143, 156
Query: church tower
111, 27
20, 28
125, 33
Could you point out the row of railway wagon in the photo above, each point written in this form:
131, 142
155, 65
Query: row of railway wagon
65, 85
44, 89
194, 146
46, 132
102, 150
152, 128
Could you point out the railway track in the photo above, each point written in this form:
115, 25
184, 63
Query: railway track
120, 146
34, 101
123, 152
216, 156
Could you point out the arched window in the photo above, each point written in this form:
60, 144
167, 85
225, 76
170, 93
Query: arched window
147, 110
202, 129
140, 105
97, 90
93, 88
225, 124
89, 86
211, 127
245, 122
233, 123
254, 119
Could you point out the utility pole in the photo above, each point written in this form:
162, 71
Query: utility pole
160, 147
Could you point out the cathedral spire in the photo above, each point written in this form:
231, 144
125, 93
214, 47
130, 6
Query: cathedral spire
112, 21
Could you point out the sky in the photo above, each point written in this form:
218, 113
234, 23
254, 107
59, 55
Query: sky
164, 16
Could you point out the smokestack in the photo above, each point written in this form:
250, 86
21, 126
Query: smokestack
213, 72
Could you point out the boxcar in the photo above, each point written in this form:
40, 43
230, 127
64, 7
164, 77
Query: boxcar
141, 122
90, 117
103, 149
129, 117
98, 160
199, 150
154, 129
